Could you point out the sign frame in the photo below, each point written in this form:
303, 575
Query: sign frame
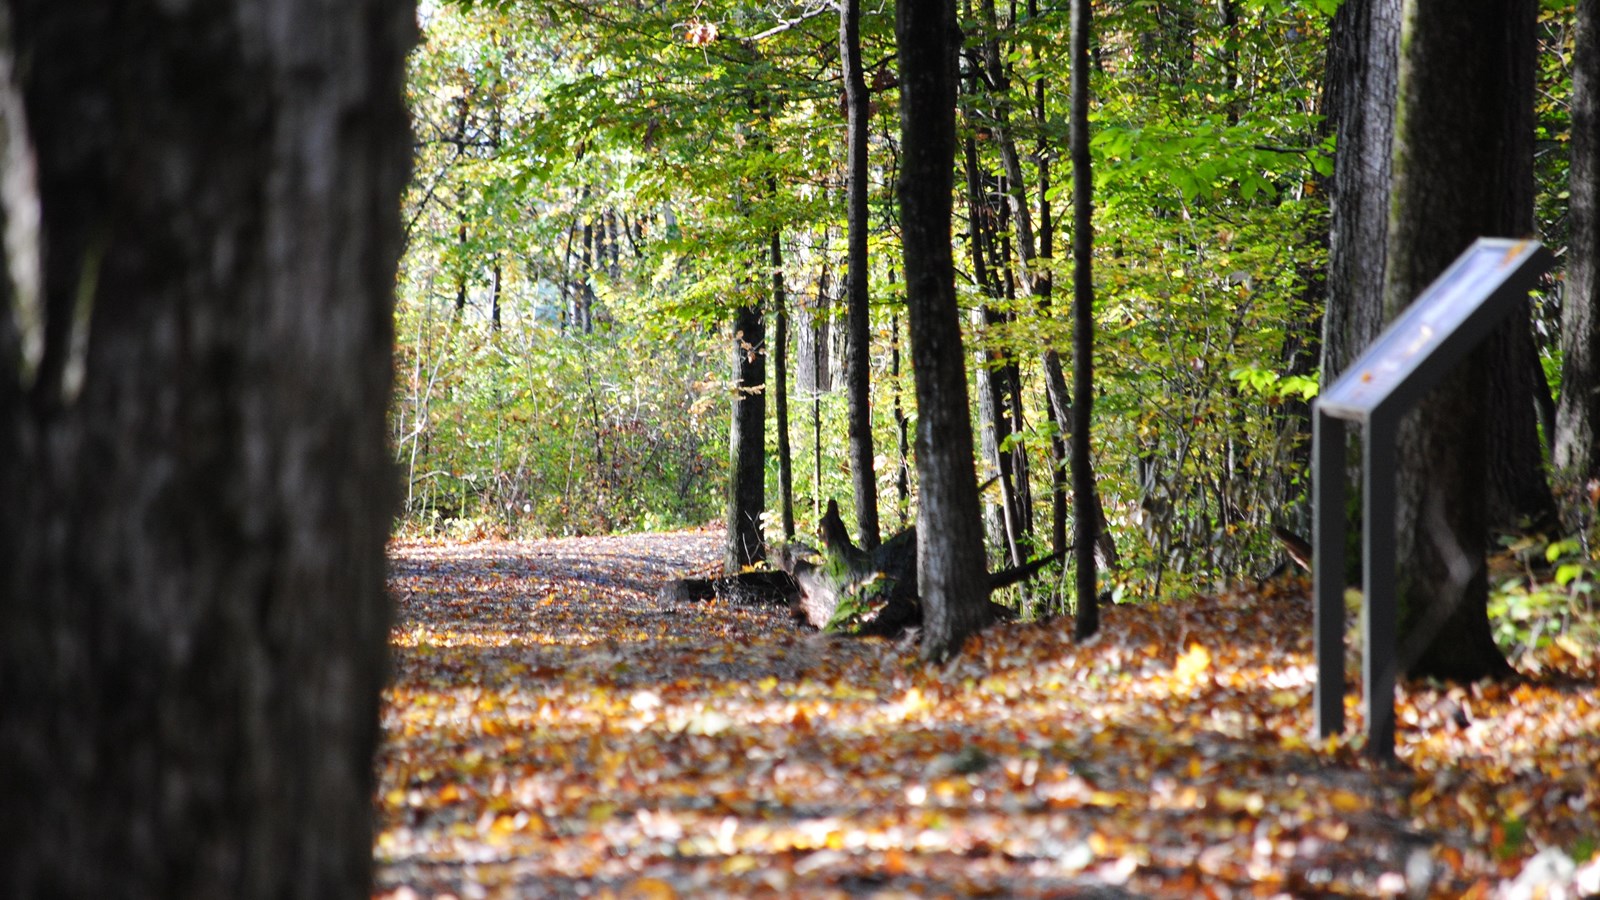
1429, 339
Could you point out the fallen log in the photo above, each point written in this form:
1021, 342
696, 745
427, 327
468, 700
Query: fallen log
775, 588
848, 590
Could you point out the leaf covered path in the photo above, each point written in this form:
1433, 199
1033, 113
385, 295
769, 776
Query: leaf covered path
554, 730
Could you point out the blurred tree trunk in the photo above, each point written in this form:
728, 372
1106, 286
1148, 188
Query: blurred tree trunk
1577, 441
196, 315
1450, 171
950, 559
1519, 496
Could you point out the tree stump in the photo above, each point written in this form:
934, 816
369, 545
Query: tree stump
847, 590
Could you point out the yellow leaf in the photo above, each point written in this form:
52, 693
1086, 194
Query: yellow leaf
1284, 699
1347, 802
1231, 800
649, 889
1192, 663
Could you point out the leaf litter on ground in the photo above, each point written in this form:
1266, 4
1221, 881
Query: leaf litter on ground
553, 729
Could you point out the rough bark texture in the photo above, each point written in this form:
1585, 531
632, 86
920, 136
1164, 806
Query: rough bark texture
1518, 491
192, 418
949, 526
1577, 440
747, 453
858, 334
1449, 181
1363, 61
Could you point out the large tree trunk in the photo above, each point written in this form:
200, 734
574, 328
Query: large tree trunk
1363, 62
858, 343
1518, 491
1449, 179
950, 559
1577, 439
192, 441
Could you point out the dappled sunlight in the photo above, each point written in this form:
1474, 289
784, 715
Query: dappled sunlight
721, 751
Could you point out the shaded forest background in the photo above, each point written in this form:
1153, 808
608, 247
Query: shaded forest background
598, 189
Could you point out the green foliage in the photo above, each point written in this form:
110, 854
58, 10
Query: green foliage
680, 138
1550, 607
539, 431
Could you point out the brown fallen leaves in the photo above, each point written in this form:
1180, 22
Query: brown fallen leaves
552, 730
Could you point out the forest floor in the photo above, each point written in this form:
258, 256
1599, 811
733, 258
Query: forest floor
554, 730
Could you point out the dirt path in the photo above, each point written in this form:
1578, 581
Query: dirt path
555, 730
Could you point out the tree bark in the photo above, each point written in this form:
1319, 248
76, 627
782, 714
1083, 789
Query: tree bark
1519, 496
950, 559
1577, 438
858, 346
747, 452
780, 397
1449, 177
1086, 525
1362, 70
196, 316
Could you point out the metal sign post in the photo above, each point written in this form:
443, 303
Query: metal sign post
1419, 347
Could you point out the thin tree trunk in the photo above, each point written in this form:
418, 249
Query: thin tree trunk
780, 397
1086, 523
951, 572
494, 295
858, 344
198, 488
1044, 290
461, 263
902, 477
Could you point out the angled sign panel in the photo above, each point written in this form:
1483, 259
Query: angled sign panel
1440, 327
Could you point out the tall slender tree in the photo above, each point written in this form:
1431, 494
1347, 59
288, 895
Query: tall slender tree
201, 207
950, 560
858, 313
1086, 524
780, 386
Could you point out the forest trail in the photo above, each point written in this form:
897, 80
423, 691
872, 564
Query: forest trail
555, 730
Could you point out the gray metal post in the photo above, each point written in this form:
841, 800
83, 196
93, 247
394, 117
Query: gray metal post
1424, 342
1379, 627
1328, 568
